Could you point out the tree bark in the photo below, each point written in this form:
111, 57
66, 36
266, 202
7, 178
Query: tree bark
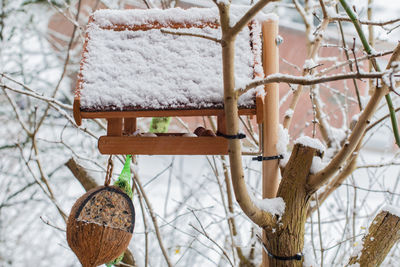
383, 233
81, 174
287, 239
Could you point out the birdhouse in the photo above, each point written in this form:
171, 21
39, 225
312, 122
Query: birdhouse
161, 63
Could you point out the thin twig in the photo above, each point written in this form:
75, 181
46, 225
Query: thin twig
191, 34
301, 80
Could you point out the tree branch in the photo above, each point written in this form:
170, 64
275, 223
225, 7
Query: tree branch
248, 16
368, 49
191, 34
383, 233
301, 80
315, 181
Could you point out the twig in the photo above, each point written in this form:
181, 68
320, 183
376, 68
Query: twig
283, 78
248, 16
203, 232
49, 224
154, 220
366, 22
191, 34
368, 49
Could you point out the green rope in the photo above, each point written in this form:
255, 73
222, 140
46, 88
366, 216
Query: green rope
123, 182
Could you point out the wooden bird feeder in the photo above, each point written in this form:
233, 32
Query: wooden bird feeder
133, 66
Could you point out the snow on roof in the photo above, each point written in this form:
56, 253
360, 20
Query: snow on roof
129, 64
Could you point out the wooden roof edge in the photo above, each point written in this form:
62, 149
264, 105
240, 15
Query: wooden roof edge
158, 113
77, 111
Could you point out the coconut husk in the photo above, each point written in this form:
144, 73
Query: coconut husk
100, 225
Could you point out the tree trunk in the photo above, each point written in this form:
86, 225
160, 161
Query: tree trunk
287, 239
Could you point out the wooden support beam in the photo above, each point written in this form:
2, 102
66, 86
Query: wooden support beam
129, 125
260, 109
163, 145
271, 111
221, 123
114, 127
160, 113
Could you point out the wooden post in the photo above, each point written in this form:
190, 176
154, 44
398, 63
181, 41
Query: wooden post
271, 112
221, 123
129, 125
114, 127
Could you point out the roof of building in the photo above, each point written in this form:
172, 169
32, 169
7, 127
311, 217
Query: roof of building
129, 64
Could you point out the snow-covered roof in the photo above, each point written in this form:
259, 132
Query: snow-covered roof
129, 64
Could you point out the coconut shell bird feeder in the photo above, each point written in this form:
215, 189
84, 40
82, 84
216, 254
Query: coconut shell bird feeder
100, 225
152, 63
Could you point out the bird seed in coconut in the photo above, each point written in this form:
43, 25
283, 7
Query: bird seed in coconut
107, 208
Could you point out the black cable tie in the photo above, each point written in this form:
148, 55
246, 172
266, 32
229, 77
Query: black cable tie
296, 257
236, 136
261, 158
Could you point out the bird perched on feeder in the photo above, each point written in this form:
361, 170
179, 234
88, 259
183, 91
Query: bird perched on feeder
123, 182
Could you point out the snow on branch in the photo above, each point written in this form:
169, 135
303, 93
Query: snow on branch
274, 206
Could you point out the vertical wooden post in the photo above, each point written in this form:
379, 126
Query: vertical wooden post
114, 127
271, 114
129, 125
221, 124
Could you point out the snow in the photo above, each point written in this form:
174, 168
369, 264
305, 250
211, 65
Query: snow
309, 260
289, 113
392, 210
317, 165
197, 16
155, 70
309, 64
274, 206
310, 142
225, 2
358, 246
281, 146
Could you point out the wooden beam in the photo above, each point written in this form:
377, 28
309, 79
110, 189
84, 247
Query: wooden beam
271, 112
129, 125
114, 127
163, 145
221, 123
77, 111
160, 113
260, 109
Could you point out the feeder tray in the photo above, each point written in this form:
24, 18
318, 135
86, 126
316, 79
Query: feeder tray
125, 53
100, 225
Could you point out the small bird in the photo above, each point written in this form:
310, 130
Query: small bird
123, 182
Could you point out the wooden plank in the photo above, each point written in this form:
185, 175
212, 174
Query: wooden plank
160, 113
163, 145
77, 111
270, 168
114, 127
260, 109
129, 125
221, 122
